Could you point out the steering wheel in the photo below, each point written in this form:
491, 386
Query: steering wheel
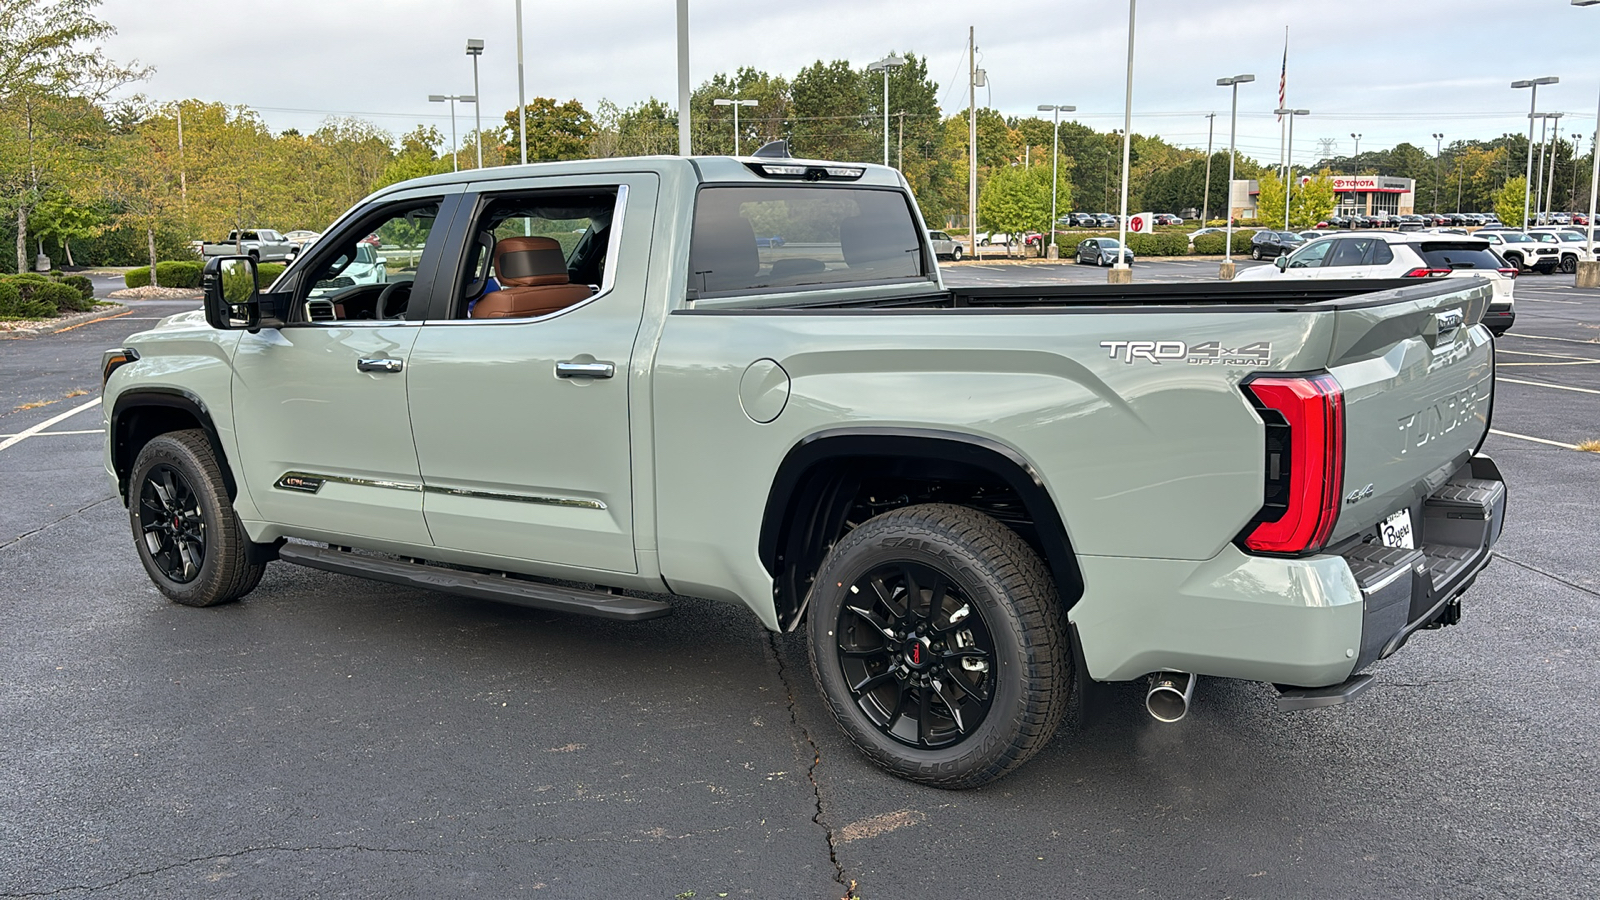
383, 311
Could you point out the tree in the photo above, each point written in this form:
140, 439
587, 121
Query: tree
43, 60
1015, 200
60, 219
555, 130
1508, 201
830, 112
1313, 201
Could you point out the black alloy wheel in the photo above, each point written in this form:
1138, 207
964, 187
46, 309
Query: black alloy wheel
940, 644
174, 526
1569, 265
916, 654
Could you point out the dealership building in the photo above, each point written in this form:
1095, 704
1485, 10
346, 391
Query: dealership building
1369, 195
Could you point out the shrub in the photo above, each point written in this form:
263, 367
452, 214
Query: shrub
1163, 244
62, 298
81, 284
1212, 244
139, 277
178, 274
56, 274
267, 273
13, 306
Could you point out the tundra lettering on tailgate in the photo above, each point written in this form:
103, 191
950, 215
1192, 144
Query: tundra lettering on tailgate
1438, 420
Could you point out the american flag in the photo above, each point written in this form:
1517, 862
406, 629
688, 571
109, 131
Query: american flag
1283, 74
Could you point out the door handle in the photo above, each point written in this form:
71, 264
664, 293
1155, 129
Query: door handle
379, 365
570, 369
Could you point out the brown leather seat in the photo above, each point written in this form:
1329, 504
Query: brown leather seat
533, 281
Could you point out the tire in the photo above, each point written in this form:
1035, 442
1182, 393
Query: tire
176, 476
955, 255
1255, 254
983, 243
995, 718
1516, 260
1569, 265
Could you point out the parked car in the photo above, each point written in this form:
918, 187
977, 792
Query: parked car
1105, 220
260, 244
973, 508
1102, 252
945, 247
1271, 244
1579, 218
301, 238
1167, 219
1084, 220
1338, 221
1573, 246
1313, 235
1530, 252
775, 240
1400, 256
994, 239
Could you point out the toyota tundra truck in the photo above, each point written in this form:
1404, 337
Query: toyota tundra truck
599, 390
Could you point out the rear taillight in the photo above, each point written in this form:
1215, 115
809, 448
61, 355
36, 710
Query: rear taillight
1304, 416
1509, 273
1426, 273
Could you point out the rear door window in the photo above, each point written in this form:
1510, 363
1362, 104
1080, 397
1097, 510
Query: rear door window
771, 238
1442, 255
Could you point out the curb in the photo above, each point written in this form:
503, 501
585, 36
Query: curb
65, 323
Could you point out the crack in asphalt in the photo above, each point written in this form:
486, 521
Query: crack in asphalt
145, 873
46, 527
811, 771
1550, 575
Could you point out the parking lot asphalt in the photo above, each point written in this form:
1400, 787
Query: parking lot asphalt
332, 737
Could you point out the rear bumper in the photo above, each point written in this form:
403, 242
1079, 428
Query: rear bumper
1499, 321
1309, 622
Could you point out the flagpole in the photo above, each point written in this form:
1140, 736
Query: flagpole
1283, 81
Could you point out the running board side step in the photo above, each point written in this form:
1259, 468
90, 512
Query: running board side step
1291, 699
519, 592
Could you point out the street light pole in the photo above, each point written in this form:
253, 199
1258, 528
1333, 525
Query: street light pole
1438, 154
1055, 154
1355, 161
1550, 183
1205, 197
455, 161
1589, 271
722, 101
683, 77
1538, 171
1121, 271
1226, 272
522, 99
1288, 160
475, 50
1533, 106
886, 65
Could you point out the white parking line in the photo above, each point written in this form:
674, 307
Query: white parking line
1550, 355
1541, 337
1559, 387
1524, 437
24, 435
59, 433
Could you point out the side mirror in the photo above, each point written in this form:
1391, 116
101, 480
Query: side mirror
1281, 262
233, 297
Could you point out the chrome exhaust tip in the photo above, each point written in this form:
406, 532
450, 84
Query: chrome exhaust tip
1168, 698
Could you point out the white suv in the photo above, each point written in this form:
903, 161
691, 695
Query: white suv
1349, 255
1575, 246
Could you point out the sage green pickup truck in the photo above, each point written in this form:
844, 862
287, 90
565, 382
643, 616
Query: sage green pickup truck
600, 385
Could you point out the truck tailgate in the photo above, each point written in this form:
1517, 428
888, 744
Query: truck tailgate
1417, 373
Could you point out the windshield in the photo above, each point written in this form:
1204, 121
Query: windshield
1516, 237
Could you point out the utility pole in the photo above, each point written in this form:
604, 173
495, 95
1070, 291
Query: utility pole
1122, 273
972, 139
1572, 195
1550, 184
1438, 154
1533, 107
1205, 202
475, 50
183, 176
900, 144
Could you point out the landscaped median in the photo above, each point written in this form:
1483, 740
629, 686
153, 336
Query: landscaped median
179, 280
1166, 244
35, 297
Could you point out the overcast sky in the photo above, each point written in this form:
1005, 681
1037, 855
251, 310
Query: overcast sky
1392, 71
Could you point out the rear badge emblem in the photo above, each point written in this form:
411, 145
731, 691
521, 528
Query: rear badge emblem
1358, 495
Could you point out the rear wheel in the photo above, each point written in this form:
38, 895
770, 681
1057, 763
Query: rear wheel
955, 255
939, 643
188, 536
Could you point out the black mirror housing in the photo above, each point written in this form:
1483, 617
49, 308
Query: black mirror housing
233, 298
1281, 262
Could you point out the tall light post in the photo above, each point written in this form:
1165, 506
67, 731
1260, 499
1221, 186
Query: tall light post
1288, 160
1122, 272
1355, 161
1589, 270
1226, 272
475, 50
1205, 197
522, 98
1533, 106
723, 101
886, 65
1055, 154
455, 162
1438, 154
1549, 184
1538, 169
683, 77
1572, 193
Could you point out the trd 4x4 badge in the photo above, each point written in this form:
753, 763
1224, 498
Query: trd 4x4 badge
1210, 353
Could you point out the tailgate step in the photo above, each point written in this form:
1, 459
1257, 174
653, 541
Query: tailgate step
1291, 699
535, 594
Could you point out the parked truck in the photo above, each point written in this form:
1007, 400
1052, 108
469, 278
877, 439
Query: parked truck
601, 391
260, 244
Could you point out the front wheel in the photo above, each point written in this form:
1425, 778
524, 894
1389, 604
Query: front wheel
955, 255
188, 537
939, 642
1569, 265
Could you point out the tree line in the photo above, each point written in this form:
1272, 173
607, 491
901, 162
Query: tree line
87, 180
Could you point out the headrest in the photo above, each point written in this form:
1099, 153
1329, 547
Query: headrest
722, 250
529, 262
